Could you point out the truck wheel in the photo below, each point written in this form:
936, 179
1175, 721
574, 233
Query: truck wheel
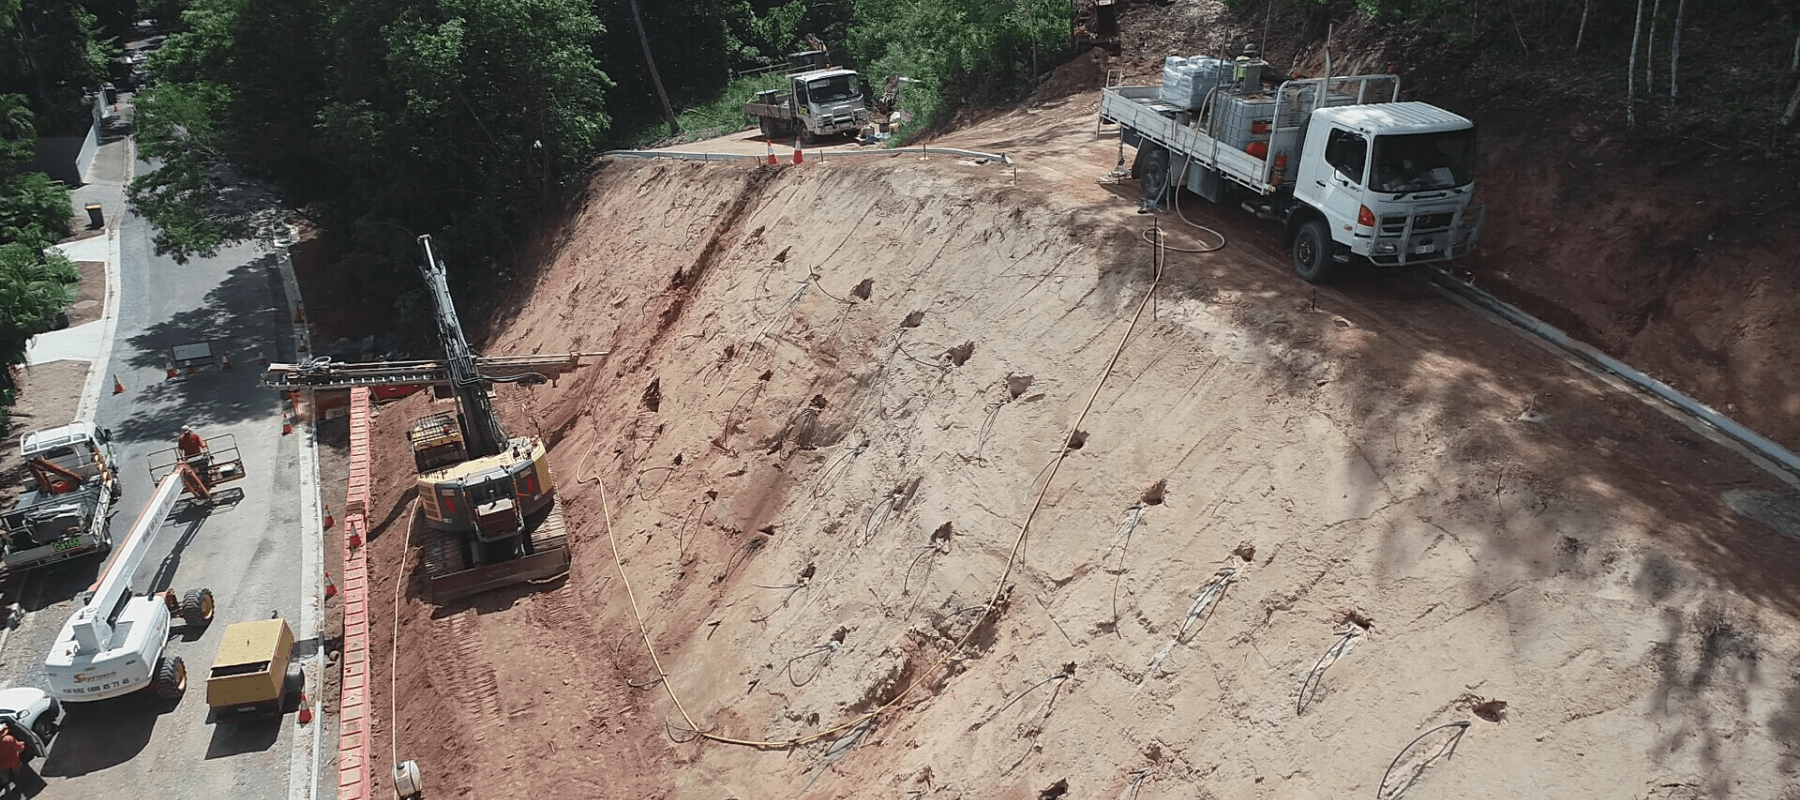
806, 135
1153, 173
197, 607
1312, 253
293, 688
171, 677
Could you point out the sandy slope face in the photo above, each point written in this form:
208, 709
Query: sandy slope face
1301, 528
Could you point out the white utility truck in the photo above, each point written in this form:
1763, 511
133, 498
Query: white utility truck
1340, 161
65, 509
114, 644
821, 100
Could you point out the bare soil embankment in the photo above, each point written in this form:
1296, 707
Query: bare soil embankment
1286, 532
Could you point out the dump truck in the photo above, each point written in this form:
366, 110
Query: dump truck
114, 645
254, 675
821, 100
1346, 167
66, 507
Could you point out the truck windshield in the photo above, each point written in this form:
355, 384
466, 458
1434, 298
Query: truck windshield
1420, 162
834, 89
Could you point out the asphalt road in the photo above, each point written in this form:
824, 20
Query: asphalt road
253, 549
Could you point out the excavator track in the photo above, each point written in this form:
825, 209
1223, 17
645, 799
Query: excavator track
449, 577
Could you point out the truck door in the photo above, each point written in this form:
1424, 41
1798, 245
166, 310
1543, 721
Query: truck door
1333, 183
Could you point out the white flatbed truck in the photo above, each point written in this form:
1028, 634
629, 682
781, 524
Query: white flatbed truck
1347, 168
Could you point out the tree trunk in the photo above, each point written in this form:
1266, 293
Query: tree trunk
1794, 65
1675, 55
1650, 50
1792, 109
1637, 28
668, 111
1582, 31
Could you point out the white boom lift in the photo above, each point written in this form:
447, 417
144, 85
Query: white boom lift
114, 644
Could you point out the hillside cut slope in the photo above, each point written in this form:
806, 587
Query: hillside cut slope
929, 478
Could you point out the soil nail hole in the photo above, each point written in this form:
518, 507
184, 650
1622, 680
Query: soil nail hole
913, 320
818, 401
767, 374
766, 530
1056, 791
1357, 618
1077, 440
1154, 495
1246, 552
653, 394
942, 534
807, 574
959, 355
1017, 385
861, 292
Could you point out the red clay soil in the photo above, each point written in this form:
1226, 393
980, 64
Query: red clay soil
916, 496
835, 394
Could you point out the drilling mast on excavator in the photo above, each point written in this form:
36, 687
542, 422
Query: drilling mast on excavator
488, 499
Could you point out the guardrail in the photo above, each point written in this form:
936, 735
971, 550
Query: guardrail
821, 155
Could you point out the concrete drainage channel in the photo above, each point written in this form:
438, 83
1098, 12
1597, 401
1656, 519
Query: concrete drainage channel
1765, 454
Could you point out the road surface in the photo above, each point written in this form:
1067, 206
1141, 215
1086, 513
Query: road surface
256, 549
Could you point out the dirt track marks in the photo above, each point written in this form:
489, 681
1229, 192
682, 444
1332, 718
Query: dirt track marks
469, 676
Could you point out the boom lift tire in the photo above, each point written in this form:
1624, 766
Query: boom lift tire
1312, 253
171, 678
197, 607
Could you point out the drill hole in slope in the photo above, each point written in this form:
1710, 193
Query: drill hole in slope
1017, 385
862, 290
1155, 495
942, 534
1357, 618
959, 355
1056, 791
1077, 440
913, 320
653, 394
1245, 552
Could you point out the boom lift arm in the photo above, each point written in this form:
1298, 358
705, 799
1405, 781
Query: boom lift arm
93, 624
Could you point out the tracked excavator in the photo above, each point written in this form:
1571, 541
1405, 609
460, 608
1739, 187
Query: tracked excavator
488, 498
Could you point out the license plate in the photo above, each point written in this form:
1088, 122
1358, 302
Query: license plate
67, 544
1427, 247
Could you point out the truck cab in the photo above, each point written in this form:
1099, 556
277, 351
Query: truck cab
829, 101
1391, 181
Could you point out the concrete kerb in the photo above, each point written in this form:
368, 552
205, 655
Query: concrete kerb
303, 767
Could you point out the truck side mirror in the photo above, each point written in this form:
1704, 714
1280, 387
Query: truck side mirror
103, 435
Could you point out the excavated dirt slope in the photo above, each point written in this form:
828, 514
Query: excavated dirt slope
903, 436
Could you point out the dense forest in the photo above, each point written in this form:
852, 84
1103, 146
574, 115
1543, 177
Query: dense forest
475, 120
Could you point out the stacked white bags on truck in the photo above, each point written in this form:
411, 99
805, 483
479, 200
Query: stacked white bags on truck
1186, 81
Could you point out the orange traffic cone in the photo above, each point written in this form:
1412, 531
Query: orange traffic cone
355, 539
171, 363
305, 709
298, 317
329, 520
191, 369
799, 157
287, 423
224, 359
771, 144
330, 588
118, 388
